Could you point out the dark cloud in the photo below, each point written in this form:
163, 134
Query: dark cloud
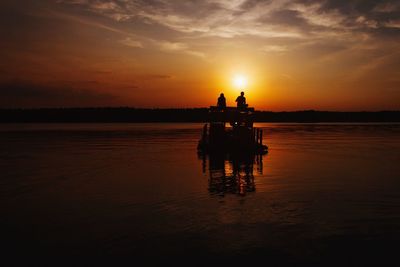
102, 72
285, 17
155, 76
26, 94
225, 18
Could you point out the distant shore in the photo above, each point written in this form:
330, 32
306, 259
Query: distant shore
126, 114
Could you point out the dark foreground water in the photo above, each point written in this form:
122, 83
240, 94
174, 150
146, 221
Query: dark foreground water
89, 194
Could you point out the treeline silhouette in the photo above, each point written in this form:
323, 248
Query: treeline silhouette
127, 114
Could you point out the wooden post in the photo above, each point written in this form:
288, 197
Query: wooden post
205, 132
258, 135
261, 134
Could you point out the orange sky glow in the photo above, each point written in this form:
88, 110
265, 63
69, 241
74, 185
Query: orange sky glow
294, 55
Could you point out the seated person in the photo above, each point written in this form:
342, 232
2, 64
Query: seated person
221, 101
241, 101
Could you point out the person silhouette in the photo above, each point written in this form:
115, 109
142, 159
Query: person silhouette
221, 101
241, 101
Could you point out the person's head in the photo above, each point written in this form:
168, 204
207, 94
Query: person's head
242, 93
221, 95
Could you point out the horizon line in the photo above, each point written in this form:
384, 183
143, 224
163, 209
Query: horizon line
184, 108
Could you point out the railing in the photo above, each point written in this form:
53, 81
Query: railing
230, 109
231, 114
256, 133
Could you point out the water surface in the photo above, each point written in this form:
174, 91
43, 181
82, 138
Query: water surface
324, 194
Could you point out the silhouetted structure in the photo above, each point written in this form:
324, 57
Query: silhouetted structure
221, 103
238, 135
128, 114
231, 173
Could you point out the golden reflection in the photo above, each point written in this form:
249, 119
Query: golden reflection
231, 173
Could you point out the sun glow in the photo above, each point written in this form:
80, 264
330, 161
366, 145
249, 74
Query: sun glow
240, 81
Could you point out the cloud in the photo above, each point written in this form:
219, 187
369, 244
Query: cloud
86, 21
132, 43
102, 72
210, 18
274, 48
28, 94
180, 27
301, 19
376, 63
316, 15
393, 24
196, 53
171, 46
177, 47
155, 76
387, 7
368, 23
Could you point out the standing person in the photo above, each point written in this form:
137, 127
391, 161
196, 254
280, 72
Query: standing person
241, 101
221, 101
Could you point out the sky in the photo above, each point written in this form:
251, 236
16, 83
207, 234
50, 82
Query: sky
341, 55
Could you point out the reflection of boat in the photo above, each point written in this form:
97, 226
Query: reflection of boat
241, 136
231, 173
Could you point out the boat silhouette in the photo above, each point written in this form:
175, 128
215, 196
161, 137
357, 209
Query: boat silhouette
231, 130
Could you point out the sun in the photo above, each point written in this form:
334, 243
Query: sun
240, 81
